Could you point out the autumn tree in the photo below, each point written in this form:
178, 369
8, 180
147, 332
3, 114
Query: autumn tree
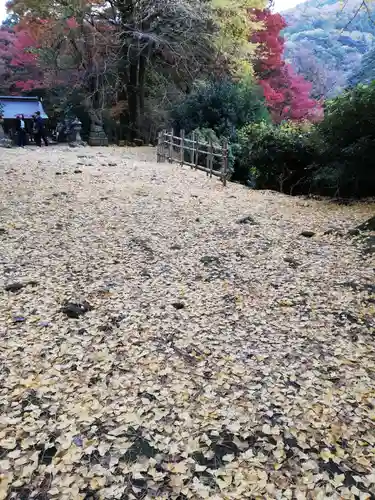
234, 48
142, 36
19, 69
287, 94
6, 48
138, 42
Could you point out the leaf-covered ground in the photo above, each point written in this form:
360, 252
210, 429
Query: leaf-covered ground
163, 337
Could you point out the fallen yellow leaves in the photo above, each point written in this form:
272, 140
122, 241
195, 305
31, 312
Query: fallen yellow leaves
260, 386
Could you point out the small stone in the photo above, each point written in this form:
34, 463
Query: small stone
308, 234
73, 310
17, 286
209, 259
14, 287
247, 220
178, 305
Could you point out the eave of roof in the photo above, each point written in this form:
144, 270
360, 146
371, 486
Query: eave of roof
17, 98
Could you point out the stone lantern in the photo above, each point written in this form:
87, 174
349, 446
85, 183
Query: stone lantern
75, 133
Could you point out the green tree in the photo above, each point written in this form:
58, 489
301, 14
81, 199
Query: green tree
348, 133
221, 105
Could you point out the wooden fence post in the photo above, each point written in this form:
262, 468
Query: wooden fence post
196, 152
182, 147
192, 145
225, 163
207, 161
211, 158
171, 147
158, 153
162, 145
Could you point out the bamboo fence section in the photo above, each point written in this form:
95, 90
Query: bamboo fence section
172, 148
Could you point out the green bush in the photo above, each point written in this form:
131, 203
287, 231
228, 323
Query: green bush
335, 157
276, 157
221, 105
346, 163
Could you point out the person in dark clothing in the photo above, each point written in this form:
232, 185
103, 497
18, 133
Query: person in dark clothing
21, 131
39, 130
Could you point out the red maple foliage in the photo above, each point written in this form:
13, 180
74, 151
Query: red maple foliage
6, 50
271, 43
19, 71
287, 94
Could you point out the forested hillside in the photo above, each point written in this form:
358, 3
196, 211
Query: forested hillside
326, 40
365, 73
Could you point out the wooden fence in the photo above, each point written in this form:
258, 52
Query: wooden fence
173, 148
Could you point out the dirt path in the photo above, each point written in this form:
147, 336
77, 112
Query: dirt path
210, 358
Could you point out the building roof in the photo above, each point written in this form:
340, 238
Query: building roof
11, 106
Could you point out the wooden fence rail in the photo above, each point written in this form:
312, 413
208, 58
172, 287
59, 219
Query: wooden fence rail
172, 148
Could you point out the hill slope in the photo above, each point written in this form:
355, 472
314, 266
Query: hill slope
326, 40
365, 73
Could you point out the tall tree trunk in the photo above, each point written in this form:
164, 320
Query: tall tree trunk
141, 82
133, 101
132, 74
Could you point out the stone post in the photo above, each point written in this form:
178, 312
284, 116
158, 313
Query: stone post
97, 136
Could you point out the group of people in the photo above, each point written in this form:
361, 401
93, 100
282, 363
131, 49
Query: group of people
38, 130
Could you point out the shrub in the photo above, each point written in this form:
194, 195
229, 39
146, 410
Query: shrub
276, 157
347, 133
222, 105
